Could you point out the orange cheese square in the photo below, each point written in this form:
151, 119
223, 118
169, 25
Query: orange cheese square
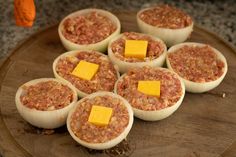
136, 48
100, 115
85, 70
150, 87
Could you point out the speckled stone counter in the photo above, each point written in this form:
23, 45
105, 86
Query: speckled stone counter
216, 16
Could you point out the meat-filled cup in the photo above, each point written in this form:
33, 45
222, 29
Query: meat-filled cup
149, 107
90, 29
200, 66
168, 23
155, 55
100, 137
45, 102
103, 80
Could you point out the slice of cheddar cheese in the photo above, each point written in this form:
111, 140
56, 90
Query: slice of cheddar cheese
150, 87
136, 48
85, 70
100, 115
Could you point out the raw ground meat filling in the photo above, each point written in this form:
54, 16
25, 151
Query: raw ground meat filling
91, 133
88, 29
103, 80
171, 89
154, 49
197, 64
46, 96
165, 16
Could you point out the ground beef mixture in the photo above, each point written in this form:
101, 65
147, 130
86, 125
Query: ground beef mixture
171, 89
103, 80
46, 96
165, 16
91, 133
154, 49
196, 63
88, 29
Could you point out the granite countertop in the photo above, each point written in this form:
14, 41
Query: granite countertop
216, 16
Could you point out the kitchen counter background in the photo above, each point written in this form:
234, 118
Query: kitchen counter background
216, 16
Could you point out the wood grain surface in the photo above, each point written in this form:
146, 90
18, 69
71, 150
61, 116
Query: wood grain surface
203, 126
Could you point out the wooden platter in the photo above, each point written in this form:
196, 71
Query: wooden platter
203, 126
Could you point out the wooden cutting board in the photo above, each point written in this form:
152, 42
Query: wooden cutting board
203, 126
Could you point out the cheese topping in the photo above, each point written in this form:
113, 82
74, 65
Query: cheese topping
100, 115
85, 70
136, 48
150, 87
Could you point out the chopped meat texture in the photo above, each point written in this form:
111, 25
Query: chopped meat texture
171, 89
91, 133
103, 80
165, 16
86, 29
196, 63
154, 49
46, 96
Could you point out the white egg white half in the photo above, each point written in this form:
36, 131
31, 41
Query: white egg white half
108, 144
44, 119
196, 87
169, 36
99, 46
124, 66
